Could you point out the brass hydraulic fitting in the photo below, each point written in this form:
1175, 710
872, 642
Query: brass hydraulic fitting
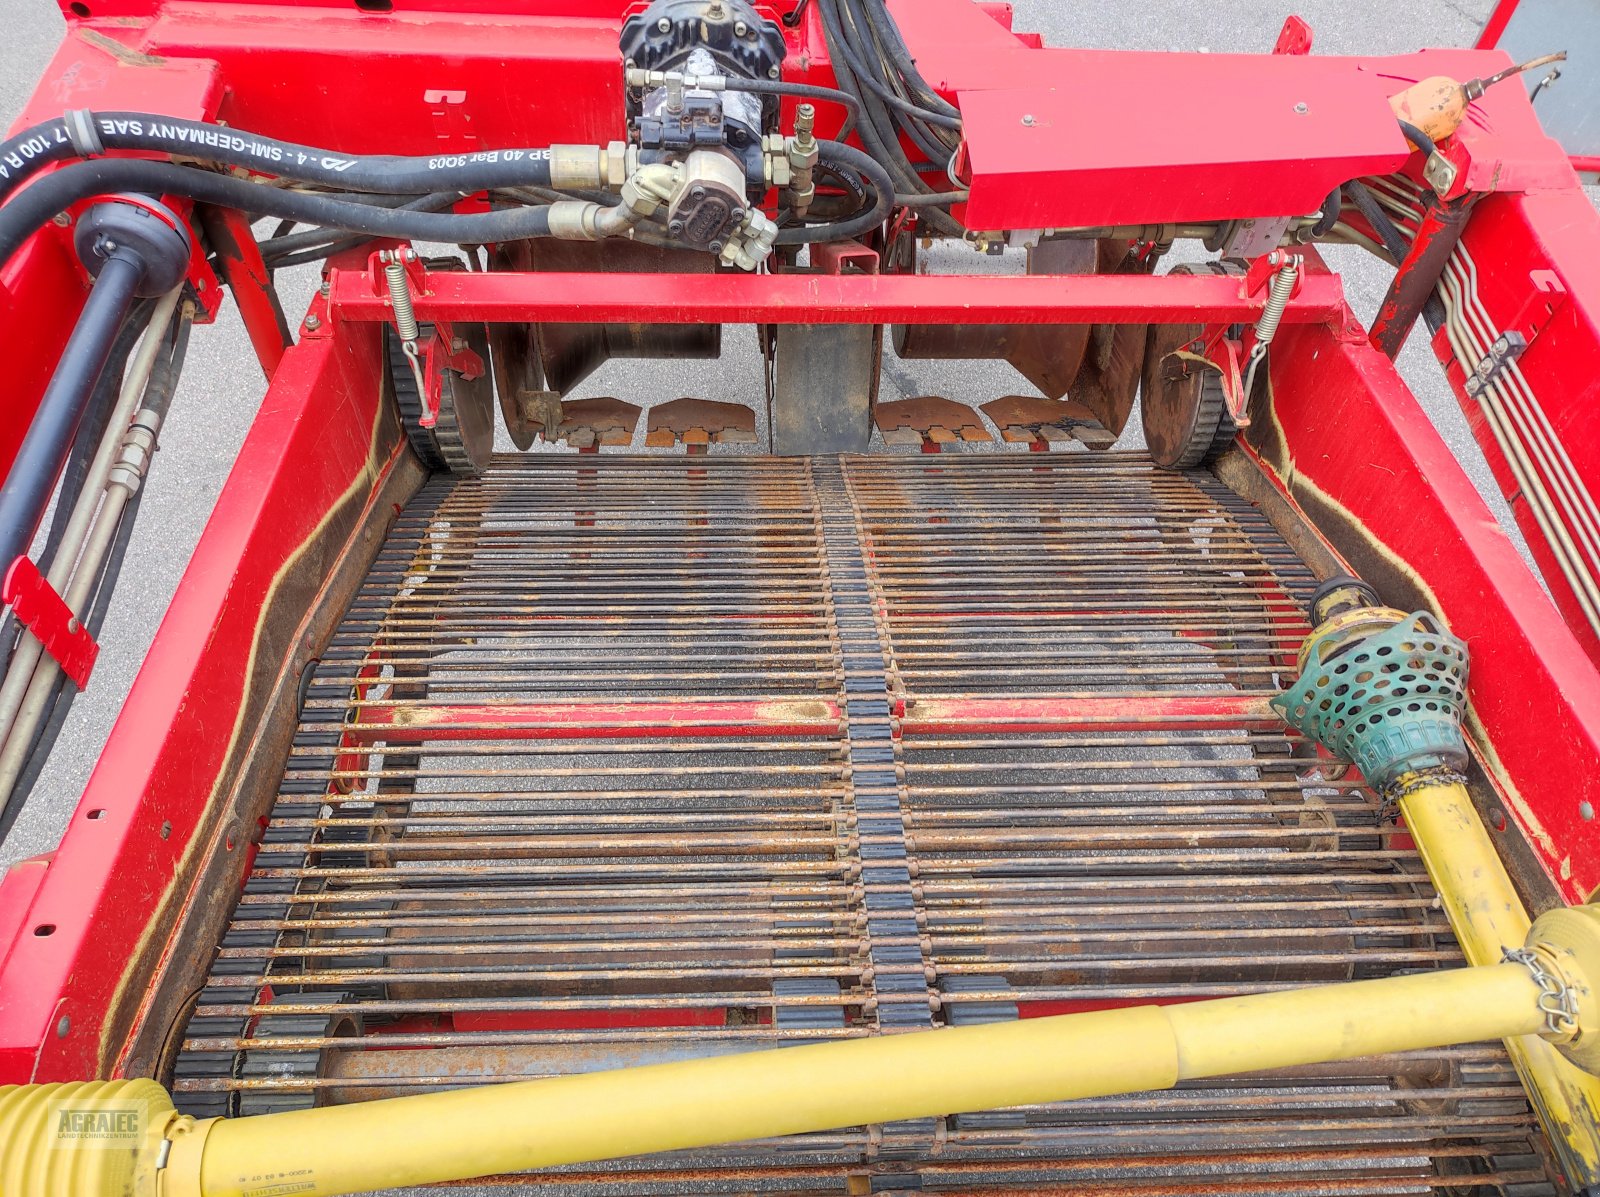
586, 167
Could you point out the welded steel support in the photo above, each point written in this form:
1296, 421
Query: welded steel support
833, 298
1418, 274
240, 263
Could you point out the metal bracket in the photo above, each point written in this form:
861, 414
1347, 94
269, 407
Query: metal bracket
1294, 37
42, 611
444, 351
1507, 348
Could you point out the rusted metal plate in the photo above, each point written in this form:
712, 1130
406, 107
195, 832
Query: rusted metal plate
601, 421
1030, 419
700, 422
930, 420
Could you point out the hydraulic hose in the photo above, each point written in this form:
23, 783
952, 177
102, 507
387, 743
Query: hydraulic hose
837, 156
294, 249
41, 202
25, 492
105, 547
53, 140
809, 91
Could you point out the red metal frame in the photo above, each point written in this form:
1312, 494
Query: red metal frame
1346, 439
834, 298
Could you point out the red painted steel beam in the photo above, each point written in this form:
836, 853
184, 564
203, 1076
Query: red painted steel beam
423, 723
834, 299
1087, 713
416, 724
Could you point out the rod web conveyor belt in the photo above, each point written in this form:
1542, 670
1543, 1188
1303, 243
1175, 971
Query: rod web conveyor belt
622, 760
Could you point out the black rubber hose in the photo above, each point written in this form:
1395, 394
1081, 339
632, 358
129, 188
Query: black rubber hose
899, 55
868, 77
839, 157
877, 131
44, 199
1418, 138
935, 130
1393, 239
328, 241
158, 396
25, 493
83, 449
809, 91
386, 173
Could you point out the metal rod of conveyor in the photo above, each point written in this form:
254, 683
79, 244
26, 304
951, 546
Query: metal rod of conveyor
1536, 986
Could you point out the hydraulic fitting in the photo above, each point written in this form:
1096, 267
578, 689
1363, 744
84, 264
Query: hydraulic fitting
643, 194
750, 244
803, 151
775, 159
586, 167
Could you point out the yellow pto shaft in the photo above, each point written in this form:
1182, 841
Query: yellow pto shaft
1487, 918
697, 1103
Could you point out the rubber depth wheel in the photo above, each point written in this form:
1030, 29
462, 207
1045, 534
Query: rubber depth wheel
462, 438
1186, 420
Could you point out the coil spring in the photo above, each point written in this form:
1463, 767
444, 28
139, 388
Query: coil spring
1277, 299
405, 316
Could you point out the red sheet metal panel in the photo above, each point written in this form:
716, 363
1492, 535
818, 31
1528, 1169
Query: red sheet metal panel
1123, 138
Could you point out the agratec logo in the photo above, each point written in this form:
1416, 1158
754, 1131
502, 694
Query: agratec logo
119, 1122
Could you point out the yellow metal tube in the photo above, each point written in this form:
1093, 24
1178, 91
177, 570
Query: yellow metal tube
1487, 917
697, 1103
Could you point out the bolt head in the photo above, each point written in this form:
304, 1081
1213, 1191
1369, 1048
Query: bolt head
61, 219
1586, 810
697, 192
1027, 119
1302, 108
716, 247
740, 29
64, 1027
736, 214
664, 25
773, 72
313, 321
675, 227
